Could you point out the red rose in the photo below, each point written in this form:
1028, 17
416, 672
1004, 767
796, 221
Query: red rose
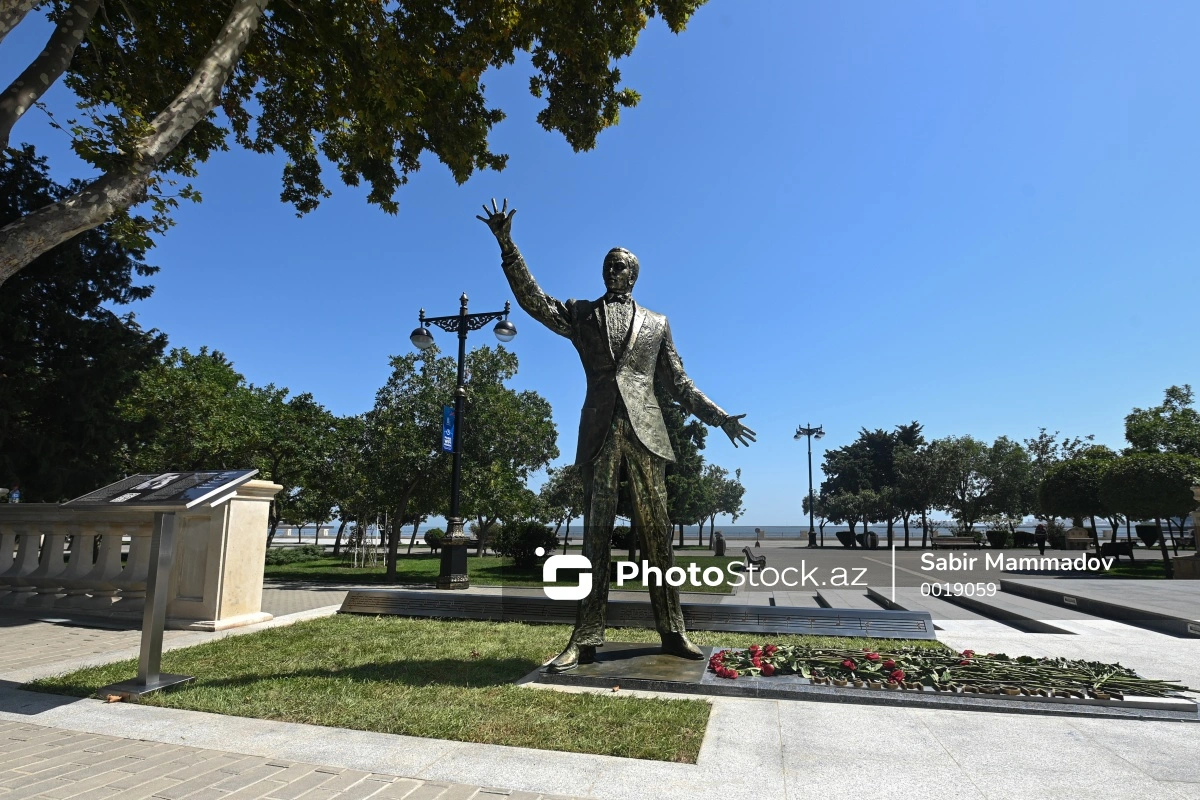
889, 664
849, 664
964, 663
897, 675
968, 653
771, 650
768, 670
872, 656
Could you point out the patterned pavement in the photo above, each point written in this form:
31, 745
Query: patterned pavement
41, 762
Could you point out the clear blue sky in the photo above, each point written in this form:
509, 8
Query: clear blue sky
979, 216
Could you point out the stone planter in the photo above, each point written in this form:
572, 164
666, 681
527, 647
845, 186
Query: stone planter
996, 539
1148, 534
846, 538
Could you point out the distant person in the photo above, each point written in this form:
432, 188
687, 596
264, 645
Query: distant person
1039, 536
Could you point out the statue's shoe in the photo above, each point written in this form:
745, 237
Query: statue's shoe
573, 656
676, 644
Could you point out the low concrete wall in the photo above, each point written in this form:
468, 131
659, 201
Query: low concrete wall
216, 580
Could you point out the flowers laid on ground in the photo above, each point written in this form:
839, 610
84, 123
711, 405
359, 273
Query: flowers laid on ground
912, 668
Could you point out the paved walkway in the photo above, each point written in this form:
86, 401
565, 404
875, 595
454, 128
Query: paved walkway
759, 748
37, 761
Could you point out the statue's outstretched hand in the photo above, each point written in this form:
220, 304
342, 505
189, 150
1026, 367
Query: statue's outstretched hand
498, 219
737, 432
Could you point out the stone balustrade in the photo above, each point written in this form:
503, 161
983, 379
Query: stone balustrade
52, 557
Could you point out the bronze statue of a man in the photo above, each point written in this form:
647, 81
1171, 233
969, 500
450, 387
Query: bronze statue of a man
625, 349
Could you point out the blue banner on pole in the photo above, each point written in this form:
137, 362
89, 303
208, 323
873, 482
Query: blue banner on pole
447, 429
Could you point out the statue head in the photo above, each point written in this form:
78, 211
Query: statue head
620, 270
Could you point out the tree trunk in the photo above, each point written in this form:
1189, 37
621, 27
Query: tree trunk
891, 524
273, 518
1174, 541
393, 546
1162, 543
924, 529
413, 539
567, 536
1095, 533
337, 540
681, 534
44, 70
11, 14
906, 531
26, 238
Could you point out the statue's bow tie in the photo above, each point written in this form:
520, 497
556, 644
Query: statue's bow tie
617, 297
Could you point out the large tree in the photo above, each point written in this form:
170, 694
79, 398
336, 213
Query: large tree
507, 435
1173, 427
293, 438
66, 358
364, 86
196, 412
1071, 488
562, 498
921, 475
1151, 486
720, 494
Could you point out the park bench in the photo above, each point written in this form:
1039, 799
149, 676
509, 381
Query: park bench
1077, 539
1116, 550
754, 562
954, 541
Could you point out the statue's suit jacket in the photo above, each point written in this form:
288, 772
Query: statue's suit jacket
649, 355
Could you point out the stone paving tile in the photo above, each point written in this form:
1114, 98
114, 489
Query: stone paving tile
63, 765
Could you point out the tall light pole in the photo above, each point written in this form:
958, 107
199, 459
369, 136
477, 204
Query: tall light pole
453, 571
811, 433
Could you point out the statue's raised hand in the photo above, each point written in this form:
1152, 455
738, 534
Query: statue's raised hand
498, 220
737, 432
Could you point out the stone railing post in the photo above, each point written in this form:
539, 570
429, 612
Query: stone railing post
83, 545
100, 580
131, 581
15, 578
217, 580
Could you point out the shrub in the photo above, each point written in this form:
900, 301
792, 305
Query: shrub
291, 555
434, 536
620, 537
1056, 534
520, 541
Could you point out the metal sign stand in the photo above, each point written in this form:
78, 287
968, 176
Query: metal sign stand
154, 617
164, 494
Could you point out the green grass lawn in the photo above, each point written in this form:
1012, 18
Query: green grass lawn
422, 568
432, 678
1148, 566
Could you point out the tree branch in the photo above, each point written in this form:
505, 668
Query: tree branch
25, 239
44, 70
11, 14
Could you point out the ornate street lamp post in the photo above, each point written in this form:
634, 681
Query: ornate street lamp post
811, 433
453, 571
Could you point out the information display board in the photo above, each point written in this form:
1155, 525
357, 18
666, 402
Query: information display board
165, 491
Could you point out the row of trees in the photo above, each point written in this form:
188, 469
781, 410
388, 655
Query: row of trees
898, 476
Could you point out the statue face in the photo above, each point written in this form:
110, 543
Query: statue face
620, 270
